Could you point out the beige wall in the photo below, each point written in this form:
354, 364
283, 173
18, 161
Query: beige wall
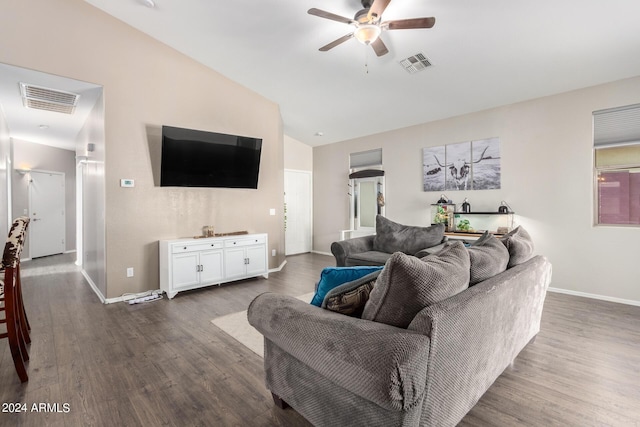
547, 178
297, 156
93, 243
5, 181
147, 85
29, 155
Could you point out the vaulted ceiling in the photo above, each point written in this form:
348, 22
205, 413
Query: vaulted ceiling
484, 54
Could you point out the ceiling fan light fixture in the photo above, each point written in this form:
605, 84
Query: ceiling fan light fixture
367, 33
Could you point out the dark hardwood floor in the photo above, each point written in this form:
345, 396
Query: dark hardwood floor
164, 363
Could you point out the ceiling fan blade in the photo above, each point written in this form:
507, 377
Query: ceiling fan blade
376, 9
407, 24
329, 15
379, 47
336, 42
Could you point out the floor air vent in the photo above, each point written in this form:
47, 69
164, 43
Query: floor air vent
415, 63
42, 98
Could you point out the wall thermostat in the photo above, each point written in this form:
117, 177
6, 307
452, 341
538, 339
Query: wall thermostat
126, 182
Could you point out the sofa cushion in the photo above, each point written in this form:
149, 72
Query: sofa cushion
368, 258
350, 298
408, 284
393, 237
488, 257
519, 244
330, 277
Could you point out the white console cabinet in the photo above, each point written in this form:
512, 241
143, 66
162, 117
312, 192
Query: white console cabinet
193, 263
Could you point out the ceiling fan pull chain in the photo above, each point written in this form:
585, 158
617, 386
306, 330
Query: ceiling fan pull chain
366, 61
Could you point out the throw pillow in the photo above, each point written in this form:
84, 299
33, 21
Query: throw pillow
408, 284
519, 244
488, 257
330, 277
393, 237
350, 298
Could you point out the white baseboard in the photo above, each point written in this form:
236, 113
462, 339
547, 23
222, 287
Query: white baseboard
279, 268
93, 286
595, 296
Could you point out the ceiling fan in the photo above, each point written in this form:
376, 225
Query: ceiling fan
369, 25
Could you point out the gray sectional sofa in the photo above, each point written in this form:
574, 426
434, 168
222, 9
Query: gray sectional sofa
428, 344
390, 237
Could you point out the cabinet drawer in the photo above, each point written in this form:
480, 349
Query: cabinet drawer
176, 249
245, 242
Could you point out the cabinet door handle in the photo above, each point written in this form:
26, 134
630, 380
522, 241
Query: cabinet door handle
201, 267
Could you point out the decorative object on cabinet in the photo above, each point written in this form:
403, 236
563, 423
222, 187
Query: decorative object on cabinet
504, 207
442, 213
464, 225
466, 207
479, 222
194, 263
471, 223
470, 165
444, 199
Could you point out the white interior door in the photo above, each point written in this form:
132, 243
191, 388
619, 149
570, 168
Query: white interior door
297, 197
46, 207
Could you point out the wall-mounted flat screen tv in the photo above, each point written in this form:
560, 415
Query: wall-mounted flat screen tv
194, 158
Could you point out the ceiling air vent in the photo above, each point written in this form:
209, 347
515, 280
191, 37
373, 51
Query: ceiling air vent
42, 98
415, 63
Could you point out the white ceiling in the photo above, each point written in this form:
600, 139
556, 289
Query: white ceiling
44, 127
484, 54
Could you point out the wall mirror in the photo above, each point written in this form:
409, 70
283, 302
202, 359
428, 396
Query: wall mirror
367, 200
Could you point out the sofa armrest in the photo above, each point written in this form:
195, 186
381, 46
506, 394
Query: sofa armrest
381, 363
477, 333
342, 249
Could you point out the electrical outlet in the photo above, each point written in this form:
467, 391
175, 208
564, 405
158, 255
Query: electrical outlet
273, 252
130, 272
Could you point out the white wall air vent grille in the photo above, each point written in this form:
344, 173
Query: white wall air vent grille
42, 98
415, 63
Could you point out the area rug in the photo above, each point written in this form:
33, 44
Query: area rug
237, 326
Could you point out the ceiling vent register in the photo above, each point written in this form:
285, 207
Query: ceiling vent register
42, 98
415, 63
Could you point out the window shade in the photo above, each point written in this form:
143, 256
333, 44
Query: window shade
626, 156
365, 158
616, 126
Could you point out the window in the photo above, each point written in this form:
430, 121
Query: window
365, 159
617, 165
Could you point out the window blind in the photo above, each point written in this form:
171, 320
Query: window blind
365, 158
618, 156
616, 126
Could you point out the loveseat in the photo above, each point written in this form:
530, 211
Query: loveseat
417, 357
390, 237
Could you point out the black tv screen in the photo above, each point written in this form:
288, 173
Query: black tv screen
194, 158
